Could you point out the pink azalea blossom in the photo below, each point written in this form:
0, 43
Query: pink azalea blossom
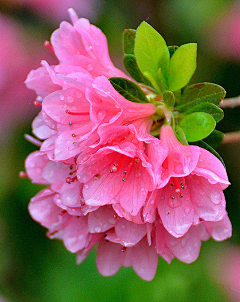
190, 184
110, 182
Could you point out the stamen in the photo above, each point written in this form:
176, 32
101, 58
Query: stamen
32, 140
76, 113
23, 174
71, 179
71, 173
37, 103
48, 45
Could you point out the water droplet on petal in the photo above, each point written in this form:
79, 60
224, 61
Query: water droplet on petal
123, 226
61, 97
86, 186
215, 197
187, 210
111, 221
97, 229
89, 67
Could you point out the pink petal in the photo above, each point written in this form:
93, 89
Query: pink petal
208, 199
161, 243
43, 209
109, 95
35, 164
210, 167
40, 129
109, 258
181, 160
101, 220
74, 234
144, 260
40, 81
129, 233
67, 42
59, 103
219, 230
176, 214
56, 172
186, 248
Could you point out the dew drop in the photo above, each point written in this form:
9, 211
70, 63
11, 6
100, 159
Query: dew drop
65, 106
61, 97
89, 67
123, 226
215, 197
111, 220
97, 229
187, 210
70, 99
86, 186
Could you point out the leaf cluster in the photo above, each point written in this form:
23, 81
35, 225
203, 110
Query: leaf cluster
166, 71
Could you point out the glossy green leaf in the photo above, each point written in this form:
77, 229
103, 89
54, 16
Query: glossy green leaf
206, 146
214, 139
213, 110
169, 99
128, 89
182, 66
197, 126
131, 66
204, 92
181, 136
151, 51
129, 41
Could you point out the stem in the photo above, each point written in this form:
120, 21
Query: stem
231, 137
230, 103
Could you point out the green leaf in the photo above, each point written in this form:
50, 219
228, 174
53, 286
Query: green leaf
129, 41
131, 66
182, 66
181, 136
151, 51
204, 92
169, 99
128, 89
214, 139
205, 146
197, 126
213, 110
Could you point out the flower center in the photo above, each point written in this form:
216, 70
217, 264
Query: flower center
177, 185
124, 162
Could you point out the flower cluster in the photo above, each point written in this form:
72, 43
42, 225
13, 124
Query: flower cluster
110, 181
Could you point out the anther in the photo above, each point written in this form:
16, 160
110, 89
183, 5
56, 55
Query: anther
181, 196
70, 179
37, 103
70, 123
23, 174
124, 179
172, 197
73, 135
48, 45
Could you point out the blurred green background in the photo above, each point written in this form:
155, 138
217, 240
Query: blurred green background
34, 268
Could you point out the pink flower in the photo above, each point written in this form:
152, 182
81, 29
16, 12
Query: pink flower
191, 181
110, 182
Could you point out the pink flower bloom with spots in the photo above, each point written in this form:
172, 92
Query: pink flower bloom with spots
191, 181
110, 181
